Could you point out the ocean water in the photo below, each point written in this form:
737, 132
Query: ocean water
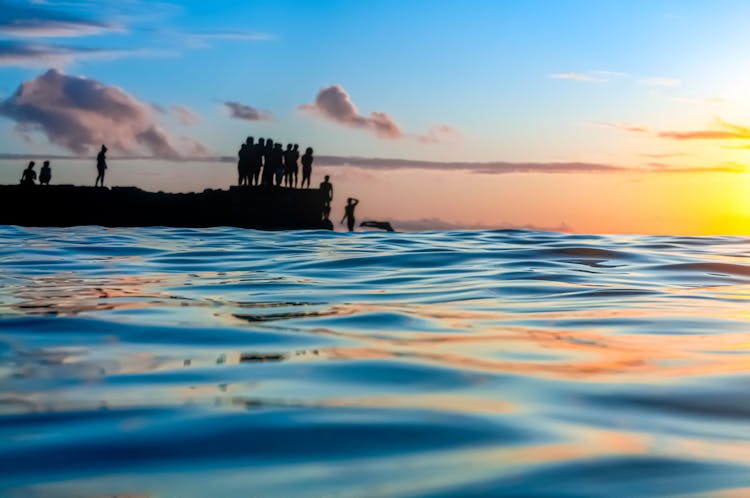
225, 362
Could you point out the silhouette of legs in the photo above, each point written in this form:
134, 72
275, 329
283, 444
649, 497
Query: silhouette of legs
305, 177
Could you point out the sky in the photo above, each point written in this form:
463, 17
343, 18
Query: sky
626, 116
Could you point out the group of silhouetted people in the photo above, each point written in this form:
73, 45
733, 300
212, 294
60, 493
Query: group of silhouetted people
267, 163
28, 177
261, 163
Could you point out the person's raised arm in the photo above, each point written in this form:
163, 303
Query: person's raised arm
355, 202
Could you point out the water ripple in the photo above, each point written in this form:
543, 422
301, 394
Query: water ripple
195, 362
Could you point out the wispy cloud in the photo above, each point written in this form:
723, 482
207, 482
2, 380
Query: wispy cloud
598, 76
504, 167
492, 167
371, 168
627, 127
725, 167
578, 76
246, 112
439, 134
22, 53
664, 155
41, 20
724, 131
699, 101
232, 35
185, 115
701, 135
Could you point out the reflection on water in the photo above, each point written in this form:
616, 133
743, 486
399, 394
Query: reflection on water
225, 362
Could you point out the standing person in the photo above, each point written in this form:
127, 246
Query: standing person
29, 175
241, 164
278, 163
288, 157
45, 174
268, 163
307, 161
258, 151
326, 189
295, 164
351, 203
101, 165
245, 161
249, 160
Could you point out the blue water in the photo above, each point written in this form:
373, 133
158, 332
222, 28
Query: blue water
225, 362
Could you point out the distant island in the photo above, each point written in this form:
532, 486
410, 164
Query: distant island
262, 207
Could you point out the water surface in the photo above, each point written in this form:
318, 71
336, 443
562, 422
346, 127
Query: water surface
226, 362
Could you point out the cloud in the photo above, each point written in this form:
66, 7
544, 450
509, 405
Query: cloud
33, 54
726, 167
504, 168
699, 101
185, 115
203, 39
628, 127
493, 168
438, 134
589, 76
664, 155
39, 21
371, 169
660, 82
579, 76
80, 114
334, 104
242, 111
700, 135
726, 131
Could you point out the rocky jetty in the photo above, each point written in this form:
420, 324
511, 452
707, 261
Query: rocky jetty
267, 208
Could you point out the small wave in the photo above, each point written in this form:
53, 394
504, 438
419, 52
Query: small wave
469, 363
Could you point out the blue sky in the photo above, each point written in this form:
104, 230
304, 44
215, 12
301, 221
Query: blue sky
482, 67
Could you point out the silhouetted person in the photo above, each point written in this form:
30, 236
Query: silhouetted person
101, 165
351, 203
307, 161
278, 163
28, 176
268, 163
295, 165
240, 164
382, 225
45, 174
327, 189
257, 165
244, 165
288, 158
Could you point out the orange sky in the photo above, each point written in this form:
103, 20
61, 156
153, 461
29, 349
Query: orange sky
655, 203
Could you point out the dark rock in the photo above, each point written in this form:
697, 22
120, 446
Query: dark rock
267, 208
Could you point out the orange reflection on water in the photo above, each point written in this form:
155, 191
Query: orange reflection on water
597, 353
66, 295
